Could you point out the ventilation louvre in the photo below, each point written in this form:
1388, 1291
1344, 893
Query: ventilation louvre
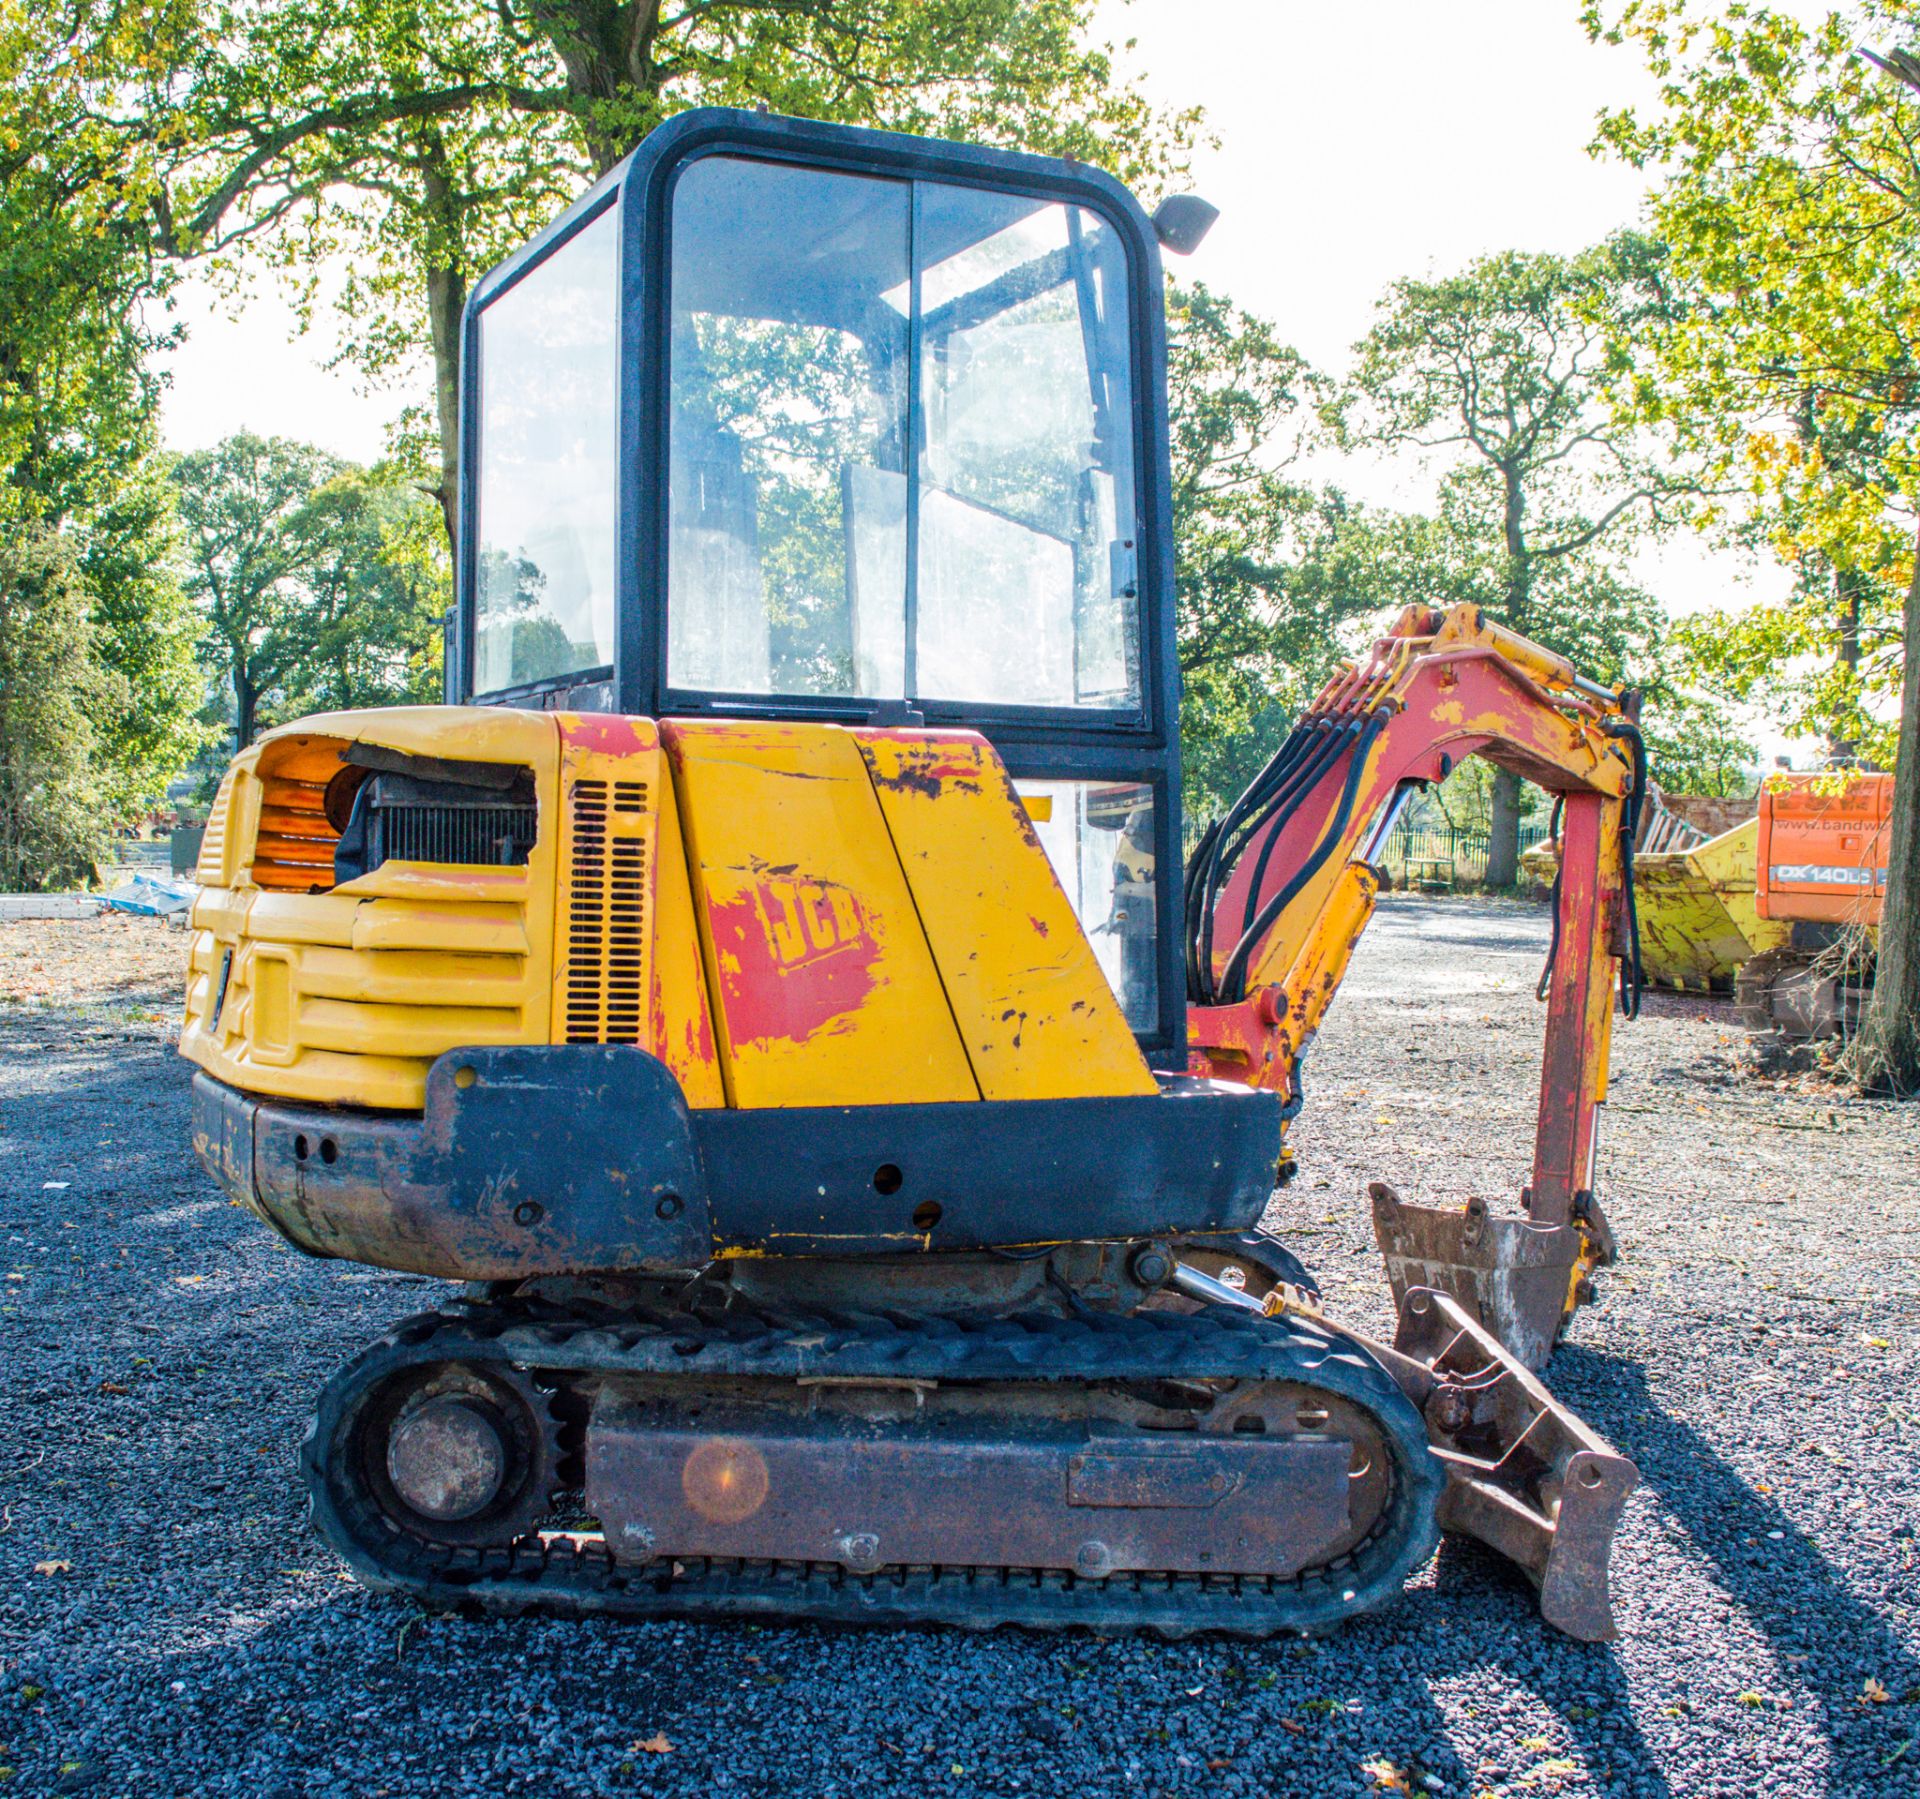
606, 911
210, 867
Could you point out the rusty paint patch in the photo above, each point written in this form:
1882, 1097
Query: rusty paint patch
610, 733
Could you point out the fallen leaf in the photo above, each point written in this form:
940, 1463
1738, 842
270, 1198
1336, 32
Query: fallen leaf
53, 1567
1751, 1700
1218, 1765
1873, 1693
1298, 1730
653, 1745
1386, 1777
113, 1386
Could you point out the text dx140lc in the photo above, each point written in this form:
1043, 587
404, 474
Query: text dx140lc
774, 987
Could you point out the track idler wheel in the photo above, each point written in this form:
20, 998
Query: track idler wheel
443, 1455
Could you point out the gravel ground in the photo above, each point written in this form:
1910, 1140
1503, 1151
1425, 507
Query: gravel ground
168, 1626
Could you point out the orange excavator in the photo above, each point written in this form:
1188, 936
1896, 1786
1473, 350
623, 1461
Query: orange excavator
773, 986
1822, 870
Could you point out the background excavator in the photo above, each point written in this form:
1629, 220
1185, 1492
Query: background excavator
1821, 872
773, 985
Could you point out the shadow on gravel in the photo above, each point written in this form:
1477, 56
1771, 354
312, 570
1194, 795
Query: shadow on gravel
1775, 1573
1584, 1684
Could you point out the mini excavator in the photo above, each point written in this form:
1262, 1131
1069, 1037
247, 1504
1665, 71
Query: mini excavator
773, 986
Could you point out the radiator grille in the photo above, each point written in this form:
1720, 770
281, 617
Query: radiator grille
606, 913
455, 833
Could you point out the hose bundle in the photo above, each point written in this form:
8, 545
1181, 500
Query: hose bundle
1315, 746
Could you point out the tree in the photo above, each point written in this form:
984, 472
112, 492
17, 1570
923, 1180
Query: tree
242, 504
78, 415
1791, 200
426, 137
1266, 570
373, 593
323, 585
1505, 367
51, 824
145, 632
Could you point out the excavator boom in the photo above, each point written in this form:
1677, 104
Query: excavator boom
1277, 894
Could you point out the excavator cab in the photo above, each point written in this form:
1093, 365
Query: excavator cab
791, 422
773, 988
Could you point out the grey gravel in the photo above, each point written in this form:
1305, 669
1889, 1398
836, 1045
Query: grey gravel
1755, 1354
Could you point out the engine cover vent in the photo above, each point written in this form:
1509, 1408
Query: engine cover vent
606, 922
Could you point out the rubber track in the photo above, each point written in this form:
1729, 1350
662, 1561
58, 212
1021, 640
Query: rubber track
571, 1576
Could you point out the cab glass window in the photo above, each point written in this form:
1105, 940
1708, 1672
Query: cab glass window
546, 469
1099, 837
901, 434
789, 406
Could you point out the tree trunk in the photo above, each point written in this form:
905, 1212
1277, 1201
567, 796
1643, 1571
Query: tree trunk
1503, 830
446, 303
1503, 821
246, 707
1886, 1055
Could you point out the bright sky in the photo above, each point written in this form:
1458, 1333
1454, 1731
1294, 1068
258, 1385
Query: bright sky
1357, 143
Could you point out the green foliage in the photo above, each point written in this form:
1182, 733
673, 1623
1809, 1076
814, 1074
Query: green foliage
373, 591
1268, 571
241, 504
51, 824
1790, 195
1790, 202
420, 140
146, 632
77, 407
322, 585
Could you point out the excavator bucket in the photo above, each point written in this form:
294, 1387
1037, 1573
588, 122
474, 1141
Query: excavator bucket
1524, 1475
1514, 1278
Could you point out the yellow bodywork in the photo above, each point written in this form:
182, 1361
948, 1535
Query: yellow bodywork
1698, 920
785, 914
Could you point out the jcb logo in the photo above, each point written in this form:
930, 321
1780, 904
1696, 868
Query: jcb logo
806, 920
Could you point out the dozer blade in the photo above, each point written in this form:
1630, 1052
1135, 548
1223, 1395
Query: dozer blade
1524, 1475
1517, 1279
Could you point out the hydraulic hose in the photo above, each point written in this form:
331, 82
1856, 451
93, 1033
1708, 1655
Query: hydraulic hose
1277, 785
1308, 778
1559, 868
1633, 978
1233, 977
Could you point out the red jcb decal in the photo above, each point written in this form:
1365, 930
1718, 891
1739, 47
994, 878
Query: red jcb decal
806, 920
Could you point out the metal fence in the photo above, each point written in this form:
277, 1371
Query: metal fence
1442, 857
